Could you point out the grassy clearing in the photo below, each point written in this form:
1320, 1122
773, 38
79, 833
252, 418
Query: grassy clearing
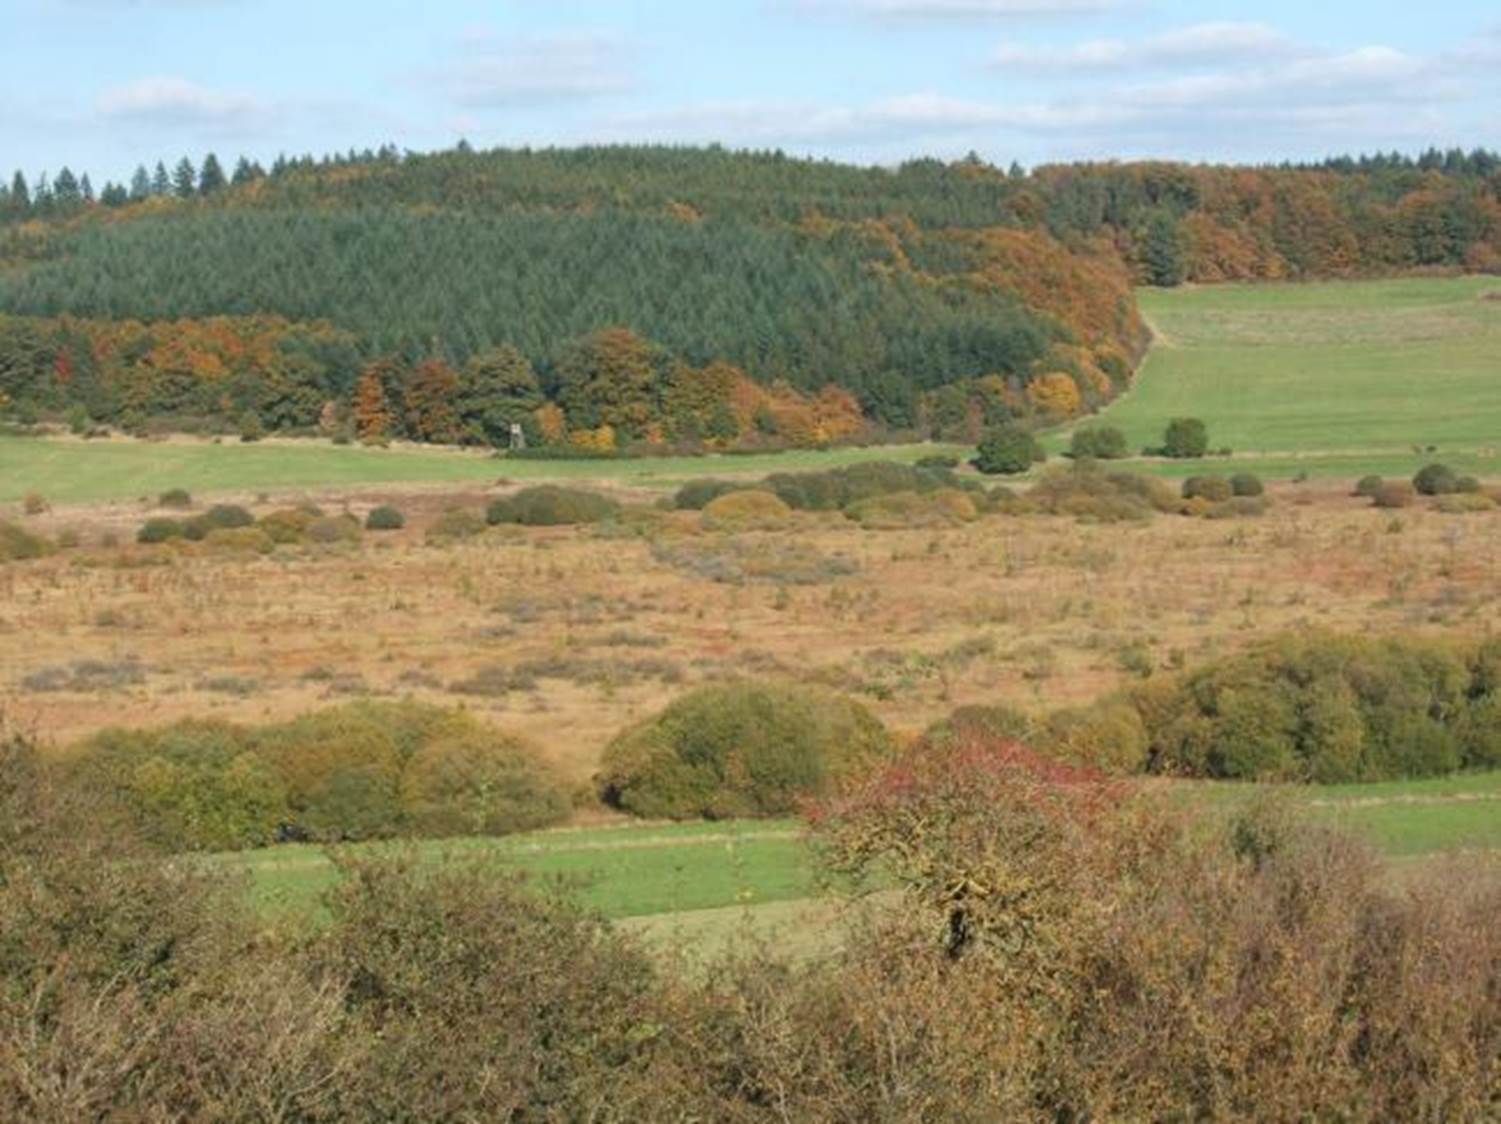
72, 471
622, 872
703, 884
1335, 379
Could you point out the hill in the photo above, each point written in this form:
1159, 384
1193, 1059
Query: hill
660, 297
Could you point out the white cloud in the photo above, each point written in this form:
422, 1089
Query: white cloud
1201, 43
177, 101
492, 71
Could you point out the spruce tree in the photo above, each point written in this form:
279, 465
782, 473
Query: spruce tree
211, 176
140, 183
161, 183
20, 194
184, 179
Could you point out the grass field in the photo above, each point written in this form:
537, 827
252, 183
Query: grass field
73, 471
1335, 378
701, 885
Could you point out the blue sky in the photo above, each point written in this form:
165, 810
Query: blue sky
103, 84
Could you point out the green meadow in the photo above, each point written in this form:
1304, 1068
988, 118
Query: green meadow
1332, 378
73, 471
701, 885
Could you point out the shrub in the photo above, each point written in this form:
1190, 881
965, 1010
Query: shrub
745, 509
1102, 443
1087, 492
159, 530
385, 518
1109, 735
1465, 503
475, 781
983, 723
740, 749
939, 461
177, 498
334, 529
549, 505
1247, 484
288, 525
1185, 439
18, 544
698, 494
1368, 486
251, 429
1436, 480
1008, 450
899, 510
247, 540
454, 524
223, 516
35, 504
1394, 493
1215, 489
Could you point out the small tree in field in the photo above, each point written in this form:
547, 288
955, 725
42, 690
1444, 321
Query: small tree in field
1185, 438
1008, 450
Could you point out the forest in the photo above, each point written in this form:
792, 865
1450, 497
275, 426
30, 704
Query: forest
659, 298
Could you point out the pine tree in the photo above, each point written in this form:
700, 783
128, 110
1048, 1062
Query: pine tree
161, 183
65, 188
184, 179
20, 194
1163, 252
245, 172
140, 183
86, 188
211, 176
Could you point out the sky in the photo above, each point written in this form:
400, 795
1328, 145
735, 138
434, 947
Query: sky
101, 85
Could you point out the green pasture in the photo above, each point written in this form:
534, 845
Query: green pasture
702, 885
1332, 378
73, 471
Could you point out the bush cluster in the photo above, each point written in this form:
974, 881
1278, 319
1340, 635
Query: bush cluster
549, 505
1316, 707
362, 771
945, 507
1089, 492
1051, 947
1185, 439
838, 488
1441, 480
740, 749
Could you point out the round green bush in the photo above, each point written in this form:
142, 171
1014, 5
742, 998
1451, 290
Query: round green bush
1368, 486
475, 781
227, 516
1101, 443
175, 498
1008, 450
456, 523
288, 525
1247, 484
385, 518
740, 749
983, 723
1436, 480
159, 530
552, 506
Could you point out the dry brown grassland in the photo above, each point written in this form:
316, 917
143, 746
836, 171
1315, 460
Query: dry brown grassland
566, 635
